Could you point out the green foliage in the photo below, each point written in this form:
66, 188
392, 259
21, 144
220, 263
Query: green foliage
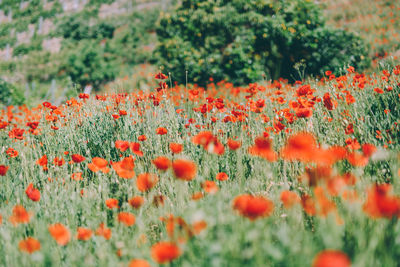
244, 40
77, 27
91, 64
10, 95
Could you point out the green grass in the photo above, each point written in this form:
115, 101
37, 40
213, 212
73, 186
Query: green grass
288, 237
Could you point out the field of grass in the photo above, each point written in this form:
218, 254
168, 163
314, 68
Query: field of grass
269, 174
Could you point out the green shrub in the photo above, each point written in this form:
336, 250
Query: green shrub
77, 27
242, 40
91, 64
10, 95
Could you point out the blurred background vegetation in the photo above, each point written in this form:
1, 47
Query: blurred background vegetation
52, 49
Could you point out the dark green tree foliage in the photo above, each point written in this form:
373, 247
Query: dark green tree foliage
91, 64
78, 27
10, 95
243, 40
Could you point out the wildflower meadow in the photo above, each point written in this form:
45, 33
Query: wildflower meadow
179, 165
262, 175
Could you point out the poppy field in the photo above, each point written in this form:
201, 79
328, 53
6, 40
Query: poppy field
270, 174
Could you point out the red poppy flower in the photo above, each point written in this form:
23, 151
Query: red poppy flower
60, 233
184, 169
122, 145
136, 202
126, 218
331, 258
301, 146
146, 181
161, 131
380, 204
112, 203
176, 148
3, 170
263, 148
253, 207
289, 198
233, 145
43, 161
164, 252
125, 168
142, 138
210, 187
19, 215
77, 158
59, 161
139, 263
162, 163
222, 176
135, 148
32, 193
99, 164
103, 231
29, 245
83, 234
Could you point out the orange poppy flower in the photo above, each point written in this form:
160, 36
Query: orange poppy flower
122, 145
112, 203
184, 169
263, 148
325, 206
3, 170
19, 215
162, 163
368, 149
59, 161
197, 195
233, 145
139, 263
301, 146
161, 131
357, 159
329, 103
43, 162
29, 245
125, 168
164, 252
135, 148
126, 218
32, 193
210, 187
77, 158
12, 153
175, 148
331, 258
60, 233
146, 181
16, 133
77, 176
99, 164
136, 202
253, 207
199, 226
308, 205
83, 234
103, 231
222, 176
142, 138
380, 204
289, 198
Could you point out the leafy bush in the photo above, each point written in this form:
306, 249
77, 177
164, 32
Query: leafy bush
243, 40
91, 64
10, 95
77, 27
